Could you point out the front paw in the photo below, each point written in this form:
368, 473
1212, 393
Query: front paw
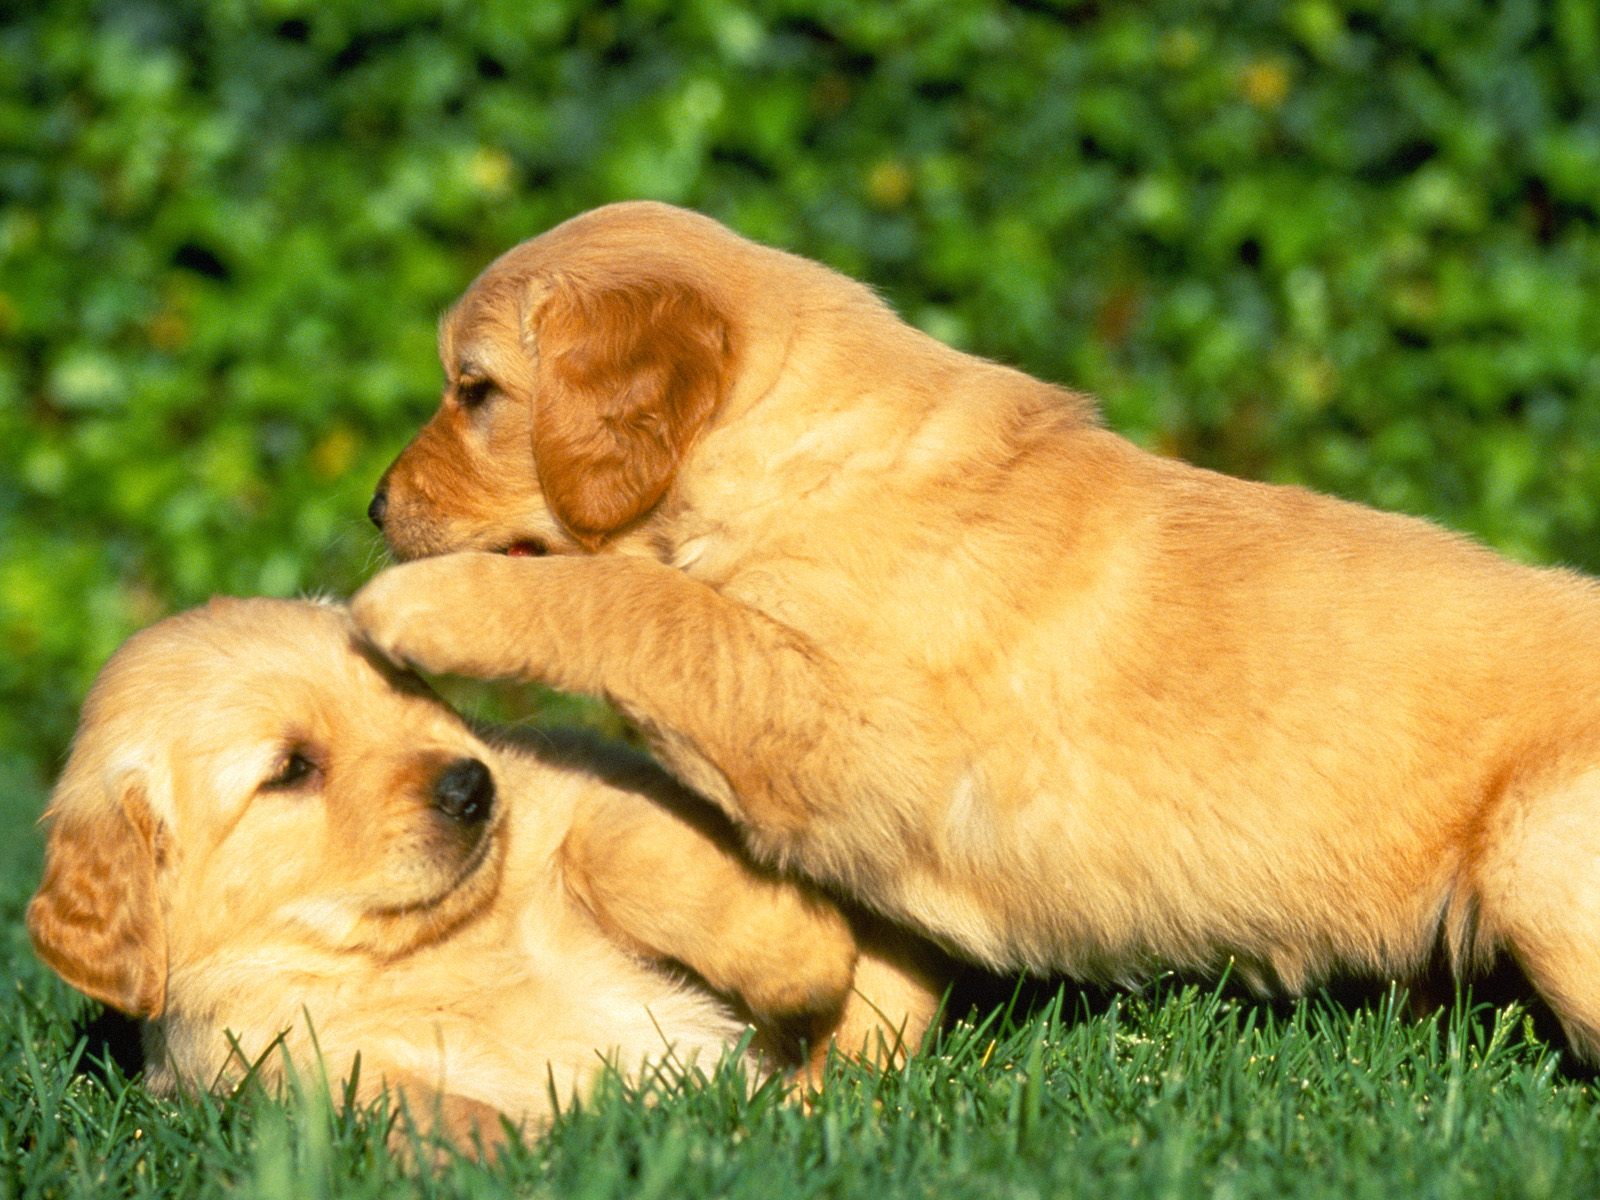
429, 613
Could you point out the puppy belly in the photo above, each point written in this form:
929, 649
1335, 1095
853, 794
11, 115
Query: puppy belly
1116, 891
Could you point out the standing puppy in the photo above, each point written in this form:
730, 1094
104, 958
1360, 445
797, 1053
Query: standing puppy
928, 631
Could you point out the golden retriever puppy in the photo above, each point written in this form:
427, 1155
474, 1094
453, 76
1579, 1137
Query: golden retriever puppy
265, 831
930, 633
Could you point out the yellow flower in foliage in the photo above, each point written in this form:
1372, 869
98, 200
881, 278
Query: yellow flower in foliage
331, 457
491, 170
1265, 82
889, 183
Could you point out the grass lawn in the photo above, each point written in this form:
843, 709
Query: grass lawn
1178, 1091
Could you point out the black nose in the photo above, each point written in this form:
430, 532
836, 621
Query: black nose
379, 505
464, 791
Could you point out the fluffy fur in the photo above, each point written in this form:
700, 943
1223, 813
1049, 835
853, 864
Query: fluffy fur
928, 631
254, 838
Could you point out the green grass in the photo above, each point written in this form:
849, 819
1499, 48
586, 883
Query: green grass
1178, 1091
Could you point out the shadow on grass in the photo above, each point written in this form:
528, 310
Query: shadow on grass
980, 997
112, 1047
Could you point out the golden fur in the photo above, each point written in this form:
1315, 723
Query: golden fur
930, 633
249, 837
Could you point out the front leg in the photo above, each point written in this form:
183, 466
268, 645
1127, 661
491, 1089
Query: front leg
745, 710
896, 995
438, 1123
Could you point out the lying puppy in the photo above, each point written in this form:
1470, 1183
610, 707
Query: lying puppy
930, 633
262, 825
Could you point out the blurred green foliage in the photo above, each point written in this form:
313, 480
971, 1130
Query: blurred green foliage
1351, 245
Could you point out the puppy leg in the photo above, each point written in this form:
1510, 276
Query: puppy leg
723, 691
441, 1121
1539, 895
900, 982
663, 876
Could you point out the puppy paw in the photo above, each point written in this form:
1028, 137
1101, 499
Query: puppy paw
429, 613
435, 1129
807, 977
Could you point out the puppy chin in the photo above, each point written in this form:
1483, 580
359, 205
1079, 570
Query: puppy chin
411, 531
406, 922
411, 540
414, 533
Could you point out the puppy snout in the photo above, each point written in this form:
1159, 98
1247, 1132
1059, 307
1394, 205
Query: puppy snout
464, 791
379, 506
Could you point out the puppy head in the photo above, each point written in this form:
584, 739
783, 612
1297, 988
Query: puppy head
244, 776
580, 369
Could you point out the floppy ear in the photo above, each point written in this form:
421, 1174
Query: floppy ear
627, 376
96, 918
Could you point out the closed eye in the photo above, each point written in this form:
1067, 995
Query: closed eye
295, 771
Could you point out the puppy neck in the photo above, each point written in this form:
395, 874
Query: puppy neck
794, 462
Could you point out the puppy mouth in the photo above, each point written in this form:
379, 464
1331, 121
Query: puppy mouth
458, 884
476, 857
527, 548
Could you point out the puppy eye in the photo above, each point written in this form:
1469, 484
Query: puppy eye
470, 393
295, 770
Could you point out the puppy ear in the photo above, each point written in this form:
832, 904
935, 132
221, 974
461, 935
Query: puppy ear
96, 919
627, 377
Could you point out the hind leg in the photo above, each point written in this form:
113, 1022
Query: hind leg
1538, 886
664, 876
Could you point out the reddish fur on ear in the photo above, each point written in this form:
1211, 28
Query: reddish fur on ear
96, 919
627, 377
